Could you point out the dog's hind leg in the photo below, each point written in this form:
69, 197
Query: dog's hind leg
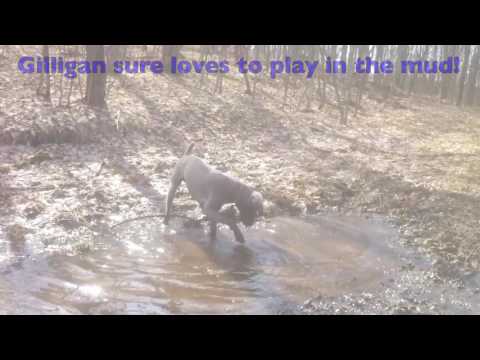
175, 183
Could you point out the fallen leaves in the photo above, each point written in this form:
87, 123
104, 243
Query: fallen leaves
16, 232
4, 169
34, 159
411, 160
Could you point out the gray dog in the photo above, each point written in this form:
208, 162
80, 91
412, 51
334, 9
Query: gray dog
213, 189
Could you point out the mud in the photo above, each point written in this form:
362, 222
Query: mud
148, 268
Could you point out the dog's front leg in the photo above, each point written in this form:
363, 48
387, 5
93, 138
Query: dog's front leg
213, 230
228, 213
213, 224
216, 217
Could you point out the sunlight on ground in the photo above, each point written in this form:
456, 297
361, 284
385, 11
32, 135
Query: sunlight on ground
456, 154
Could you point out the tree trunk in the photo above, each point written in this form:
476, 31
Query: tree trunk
463, 76
446, 78
241, 51
472, 79
168, 52
219, 83
402, 55
378, 79
96, 82
46, 77
362, 79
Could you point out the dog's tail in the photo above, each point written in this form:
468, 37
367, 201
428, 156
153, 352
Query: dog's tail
190, 149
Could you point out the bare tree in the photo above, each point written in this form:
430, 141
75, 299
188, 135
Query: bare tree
402, 54
472, 78
242, 52
463, 76
45, 79
170, 51
96, 82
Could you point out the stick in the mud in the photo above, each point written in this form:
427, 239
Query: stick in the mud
150, 217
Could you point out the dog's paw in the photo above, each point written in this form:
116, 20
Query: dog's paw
239, 238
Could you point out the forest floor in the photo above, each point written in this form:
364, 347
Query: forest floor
69, 173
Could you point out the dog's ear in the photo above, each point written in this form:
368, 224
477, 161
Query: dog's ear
256, 199
189, 149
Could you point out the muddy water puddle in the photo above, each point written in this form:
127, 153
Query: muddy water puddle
151, 269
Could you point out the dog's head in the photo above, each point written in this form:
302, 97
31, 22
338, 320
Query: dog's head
252, 209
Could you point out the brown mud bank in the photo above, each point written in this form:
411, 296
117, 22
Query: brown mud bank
60, 254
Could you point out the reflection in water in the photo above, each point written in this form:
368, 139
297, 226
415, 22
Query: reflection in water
152, 270
92, 291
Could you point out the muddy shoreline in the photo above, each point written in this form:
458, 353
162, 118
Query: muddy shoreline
68, 175
86, 198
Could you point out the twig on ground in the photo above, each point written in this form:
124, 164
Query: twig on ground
472, 253
100, 170
44, 188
